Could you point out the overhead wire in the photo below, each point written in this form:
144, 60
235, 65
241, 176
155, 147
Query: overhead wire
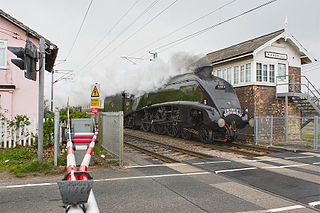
76, 38
197, 33
112, 28
121, 32
182, 27
143, 26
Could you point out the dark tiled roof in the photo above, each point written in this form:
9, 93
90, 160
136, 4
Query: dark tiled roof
242, 48
51, 57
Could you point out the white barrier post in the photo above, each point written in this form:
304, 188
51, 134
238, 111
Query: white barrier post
5, 134
10, 138
0, 134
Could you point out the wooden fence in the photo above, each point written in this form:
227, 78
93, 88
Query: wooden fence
10, 136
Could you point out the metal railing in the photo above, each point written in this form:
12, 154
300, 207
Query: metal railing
112, 134
272, 130
300, 84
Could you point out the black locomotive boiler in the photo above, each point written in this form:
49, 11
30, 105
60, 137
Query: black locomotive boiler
190, 104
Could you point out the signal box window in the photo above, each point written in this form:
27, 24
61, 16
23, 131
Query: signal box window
282, 68
236, 75
271, 73
259, 72
248, 72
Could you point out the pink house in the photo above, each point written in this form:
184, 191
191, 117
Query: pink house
19, 95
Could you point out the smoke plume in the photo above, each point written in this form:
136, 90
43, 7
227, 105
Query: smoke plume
133, 79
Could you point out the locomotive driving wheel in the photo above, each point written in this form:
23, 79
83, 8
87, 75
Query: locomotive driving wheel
205, 134
146, 126
173, 130
159, 128
185, 134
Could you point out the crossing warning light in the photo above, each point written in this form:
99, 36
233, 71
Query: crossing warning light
28, 59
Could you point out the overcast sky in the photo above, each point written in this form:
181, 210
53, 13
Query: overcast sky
115, 28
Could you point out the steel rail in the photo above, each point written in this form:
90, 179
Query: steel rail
153, 154
209, 146
175, 148
257, 148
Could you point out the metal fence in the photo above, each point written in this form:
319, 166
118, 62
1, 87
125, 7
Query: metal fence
299, 131
112, 134
11, 136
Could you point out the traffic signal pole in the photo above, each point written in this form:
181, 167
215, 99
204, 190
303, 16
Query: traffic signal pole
41, 101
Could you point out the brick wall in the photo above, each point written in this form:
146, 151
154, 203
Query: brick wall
262, 101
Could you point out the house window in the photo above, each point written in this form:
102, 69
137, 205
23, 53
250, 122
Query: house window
265, 72
229, 75
248, 72
224, 74
3, 54
236, 75
282, 71
271, 73
259, 72
242, 73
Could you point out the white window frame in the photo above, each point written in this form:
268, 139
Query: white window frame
236, 75
229, 75
274, 73
248, 72
219, 73
284, 77
265, 72
242, 73
3, 47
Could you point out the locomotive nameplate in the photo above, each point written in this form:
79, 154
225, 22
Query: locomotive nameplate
219, 86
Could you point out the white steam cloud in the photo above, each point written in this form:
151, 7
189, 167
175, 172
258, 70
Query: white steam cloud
133, 79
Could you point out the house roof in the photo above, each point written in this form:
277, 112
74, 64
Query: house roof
51, 54
243, 48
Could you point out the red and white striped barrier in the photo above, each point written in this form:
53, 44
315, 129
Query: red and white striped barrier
86, 160
71, 162
82, 137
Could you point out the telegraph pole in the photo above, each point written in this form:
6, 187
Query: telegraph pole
52, 72
41, 94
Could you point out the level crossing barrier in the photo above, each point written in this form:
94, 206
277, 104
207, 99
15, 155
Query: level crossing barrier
76, 186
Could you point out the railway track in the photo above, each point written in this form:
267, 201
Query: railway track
165, 151
162, 151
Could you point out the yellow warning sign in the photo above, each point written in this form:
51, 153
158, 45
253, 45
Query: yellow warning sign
95, 92
95, 102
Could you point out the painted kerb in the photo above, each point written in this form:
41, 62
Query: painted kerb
112, 134
301, 131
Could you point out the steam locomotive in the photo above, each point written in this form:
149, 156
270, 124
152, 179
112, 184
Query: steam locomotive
193, 104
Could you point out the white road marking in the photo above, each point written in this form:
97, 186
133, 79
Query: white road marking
212, 162
110, 179
286, 166
234, 170
285, 208
316, 163
299, 157
155, 165
153, 176
27, 185
315, 203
